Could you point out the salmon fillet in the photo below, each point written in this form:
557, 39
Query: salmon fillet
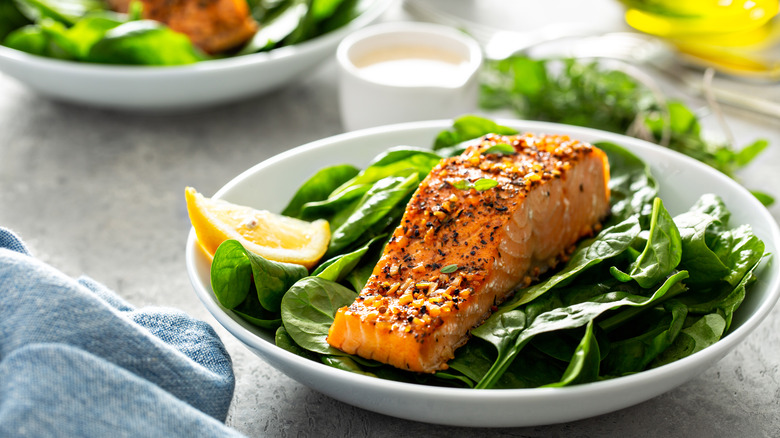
213, 25
460, 251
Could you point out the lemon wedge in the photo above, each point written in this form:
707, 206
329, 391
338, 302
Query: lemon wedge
272, 236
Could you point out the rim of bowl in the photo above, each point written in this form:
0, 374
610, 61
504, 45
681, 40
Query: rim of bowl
475, 55
711, 353
368, 16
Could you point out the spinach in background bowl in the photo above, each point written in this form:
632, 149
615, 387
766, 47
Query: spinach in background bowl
58, 59
89, 31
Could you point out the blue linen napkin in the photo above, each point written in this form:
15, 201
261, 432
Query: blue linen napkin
76, 360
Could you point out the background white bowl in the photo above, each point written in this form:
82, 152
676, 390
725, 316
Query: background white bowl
682, 180
177, 87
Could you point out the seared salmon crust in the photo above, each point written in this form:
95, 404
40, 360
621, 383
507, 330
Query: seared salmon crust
479, 226
213, 25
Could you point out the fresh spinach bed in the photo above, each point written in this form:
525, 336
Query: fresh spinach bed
649, 289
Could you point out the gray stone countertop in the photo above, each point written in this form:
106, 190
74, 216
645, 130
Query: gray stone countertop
102, 193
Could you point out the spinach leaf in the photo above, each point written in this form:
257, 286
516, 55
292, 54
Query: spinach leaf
358, 277
336, 208
502, 330
346, 11
230, 277
469, 127
323, 16
584, 365
231, 280
697, 258
558, 345
337, 268
144, 42
559, 318
78, 39
308, 310
726, 299
711, 205
66, 12
634, 354
397, 161
380, 200
632, 187
740, 250
474, 359
530, 369
231, 274
318, 187
625, 317
452, 376
251, 310
282, 339
31, 39
49, 38
343, 201
386, 225
704, 332
91, 29
662, 252
764, 198
61, 45
323, 9
713, 251
277, 28
10, 18
273, 279
345, 363
609, 243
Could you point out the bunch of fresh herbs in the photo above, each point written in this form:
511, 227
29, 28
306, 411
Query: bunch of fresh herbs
585, 93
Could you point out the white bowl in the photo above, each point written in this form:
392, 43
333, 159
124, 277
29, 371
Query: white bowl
366, 100
152, 88
682, 180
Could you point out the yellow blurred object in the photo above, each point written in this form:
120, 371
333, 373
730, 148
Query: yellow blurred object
739, 37
700, 18
736, 62
272, 236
